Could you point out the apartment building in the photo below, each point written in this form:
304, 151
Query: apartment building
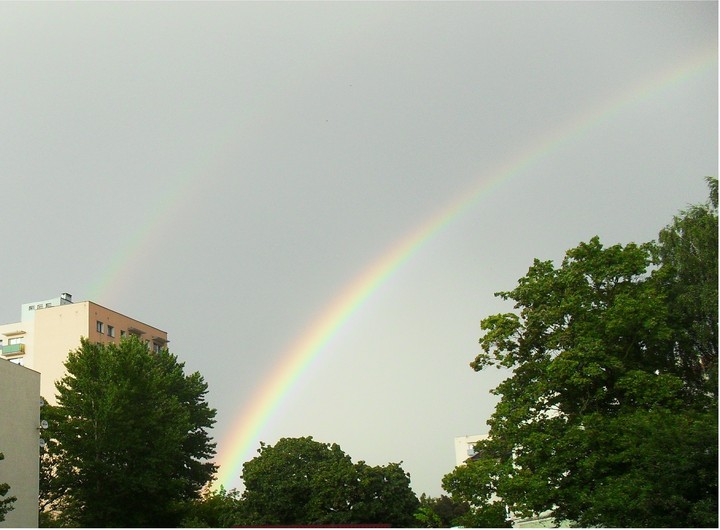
48, 330
465, 447
20, 442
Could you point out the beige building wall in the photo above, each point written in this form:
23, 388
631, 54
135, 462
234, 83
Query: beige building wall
17, 341
19, 442
55, 331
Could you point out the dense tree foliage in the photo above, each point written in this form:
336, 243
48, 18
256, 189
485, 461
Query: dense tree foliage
444, 512
469, 484
300, 481
214, 509
610, 415
689, 275
6, 504
129, 438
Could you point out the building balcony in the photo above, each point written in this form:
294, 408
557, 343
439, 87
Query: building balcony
12, 349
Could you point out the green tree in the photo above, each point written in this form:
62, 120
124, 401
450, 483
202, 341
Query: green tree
442, 512
214, 509
129, 436
301, 481
610, 415
473, 485
48, 502
689, 273
383, 495
6, 504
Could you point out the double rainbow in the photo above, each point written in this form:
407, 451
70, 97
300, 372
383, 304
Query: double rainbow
244, 436
237, 447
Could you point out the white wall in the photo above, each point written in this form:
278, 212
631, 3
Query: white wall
463, 446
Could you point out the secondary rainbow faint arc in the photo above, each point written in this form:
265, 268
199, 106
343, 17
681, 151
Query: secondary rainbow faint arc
245, 435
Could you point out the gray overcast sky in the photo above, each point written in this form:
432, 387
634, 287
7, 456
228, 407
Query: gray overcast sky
225, 170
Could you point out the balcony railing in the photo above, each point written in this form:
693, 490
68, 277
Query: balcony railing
10, 349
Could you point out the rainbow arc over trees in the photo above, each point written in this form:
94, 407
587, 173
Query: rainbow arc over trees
243, 438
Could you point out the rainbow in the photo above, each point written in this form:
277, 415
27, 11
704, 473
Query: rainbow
139, 242
237, 447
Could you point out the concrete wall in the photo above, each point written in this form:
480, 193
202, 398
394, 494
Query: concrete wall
19, 437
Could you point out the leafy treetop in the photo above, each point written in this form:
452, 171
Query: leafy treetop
614, 369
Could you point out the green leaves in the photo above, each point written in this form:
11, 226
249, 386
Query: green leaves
611, 410
689, 275
446, 512
299, 481
6, 504
499, 343
129, 437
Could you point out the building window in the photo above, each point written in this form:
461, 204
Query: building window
111, 331
48, 305
100, 327
31, 308
156, 347
122, 333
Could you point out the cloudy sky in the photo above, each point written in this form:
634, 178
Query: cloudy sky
228, 171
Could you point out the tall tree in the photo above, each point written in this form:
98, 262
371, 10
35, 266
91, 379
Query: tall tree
689, 273
130, 438
6, 504
610, 415
300, 481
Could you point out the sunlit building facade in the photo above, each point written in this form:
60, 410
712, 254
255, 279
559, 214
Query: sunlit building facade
48, 330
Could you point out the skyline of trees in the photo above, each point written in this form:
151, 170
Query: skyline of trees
609, 417
300, 481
